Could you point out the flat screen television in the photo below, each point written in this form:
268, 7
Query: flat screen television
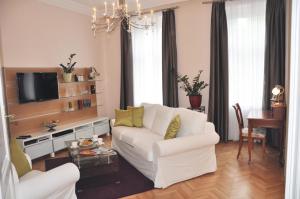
35, 87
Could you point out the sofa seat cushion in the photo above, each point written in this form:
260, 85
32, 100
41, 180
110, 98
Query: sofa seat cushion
131, 135
30, 175
118, 131
192, 122
142, 139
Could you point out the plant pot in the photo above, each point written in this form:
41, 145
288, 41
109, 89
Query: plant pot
195, 101
67, 77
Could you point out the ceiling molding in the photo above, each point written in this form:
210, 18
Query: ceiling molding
86, 8
149, 4
69, 5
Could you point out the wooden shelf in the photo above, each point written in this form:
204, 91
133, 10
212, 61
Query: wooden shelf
31, 116
60, 98
51, 113
79, 82
34, 116
76, 96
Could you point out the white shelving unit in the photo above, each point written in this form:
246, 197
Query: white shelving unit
44, 143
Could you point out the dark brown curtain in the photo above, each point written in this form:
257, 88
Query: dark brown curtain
169, 59
218, 92
126, 97
274, 55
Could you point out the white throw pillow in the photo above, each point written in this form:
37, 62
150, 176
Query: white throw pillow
192, 122
163, 117
149, 114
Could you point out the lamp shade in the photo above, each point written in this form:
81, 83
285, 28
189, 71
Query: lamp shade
277, 91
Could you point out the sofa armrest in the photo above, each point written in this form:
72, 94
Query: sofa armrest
184, 144
112, 122
209, 127
47, 183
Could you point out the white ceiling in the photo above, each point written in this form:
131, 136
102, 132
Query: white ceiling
84, 6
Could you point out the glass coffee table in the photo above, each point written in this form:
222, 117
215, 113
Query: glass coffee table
102, 161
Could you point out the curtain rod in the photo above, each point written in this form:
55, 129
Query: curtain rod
214, 1
162, 9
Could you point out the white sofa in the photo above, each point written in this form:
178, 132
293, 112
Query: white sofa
166, 162
58, 183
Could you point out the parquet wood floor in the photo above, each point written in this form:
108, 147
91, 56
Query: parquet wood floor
234, 179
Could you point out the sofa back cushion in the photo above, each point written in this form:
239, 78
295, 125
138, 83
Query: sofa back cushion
123, 118
192, 122
149, 114
137, 116
162, 119
173, 128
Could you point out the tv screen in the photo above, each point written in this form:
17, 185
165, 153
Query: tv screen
37, 87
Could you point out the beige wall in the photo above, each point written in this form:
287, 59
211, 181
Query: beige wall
111, 62
193, 43
193, 46
36, 35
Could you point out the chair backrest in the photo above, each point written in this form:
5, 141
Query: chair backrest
239, 116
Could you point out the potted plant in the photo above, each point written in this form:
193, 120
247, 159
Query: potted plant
68, 69
193, 90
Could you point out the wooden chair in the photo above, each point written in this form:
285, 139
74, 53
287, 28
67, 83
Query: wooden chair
255, 135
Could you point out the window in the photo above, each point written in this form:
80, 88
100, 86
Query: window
147, 63
246, 47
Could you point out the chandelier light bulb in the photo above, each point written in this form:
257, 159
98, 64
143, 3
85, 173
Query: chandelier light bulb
105, 8
126, 9
113, 7
94, 15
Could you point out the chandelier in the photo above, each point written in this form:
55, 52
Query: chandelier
117, 13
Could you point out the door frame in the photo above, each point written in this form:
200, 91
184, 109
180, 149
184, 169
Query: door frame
6, 176
292, 189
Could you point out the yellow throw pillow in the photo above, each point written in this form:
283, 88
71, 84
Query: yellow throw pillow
137, 116
123, 118
173, 128
19, 159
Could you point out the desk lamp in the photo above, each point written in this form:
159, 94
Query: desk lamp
277, 92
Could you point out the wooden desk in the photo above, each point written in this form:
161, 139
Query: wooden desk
266, 119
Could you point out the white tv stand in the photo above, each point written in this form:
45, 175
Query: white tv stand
44, 143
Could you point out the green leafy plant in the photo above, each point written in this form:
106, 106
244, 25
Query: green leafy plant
193, 88
69, 67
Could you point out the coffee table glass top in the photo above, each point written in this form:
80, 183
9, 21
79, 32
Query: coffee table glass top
93, 155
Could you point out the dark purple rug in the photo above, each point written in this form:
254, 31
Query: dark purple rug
127, 181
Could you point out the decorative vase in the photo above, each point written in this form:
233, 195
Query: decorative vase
195, 101
67, 77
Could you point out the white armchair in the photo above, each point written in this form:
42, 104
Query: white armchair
58, 183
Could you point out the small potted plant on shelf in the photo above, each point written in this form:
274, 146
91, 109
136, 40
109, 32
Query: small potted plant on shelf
68, 69
193, 90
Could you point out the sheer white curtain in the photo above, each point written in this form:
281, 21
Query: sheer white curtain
147, 63
246, 45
